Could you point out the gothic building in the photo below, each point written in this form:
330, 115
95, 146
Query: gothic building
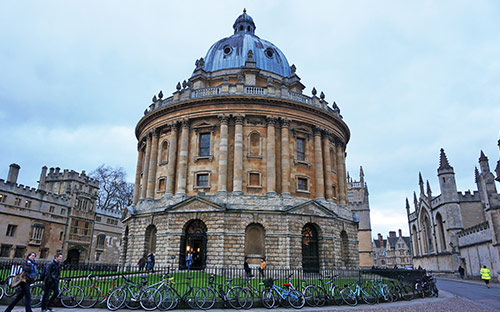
393, 252
457, 228
60, 215
357, 196
238, 163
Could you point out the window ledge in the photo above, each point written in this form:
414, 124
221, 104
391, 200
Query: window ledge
303, 191
201, 187
209, 158
255, 156
163, 163
302, 162
254, 186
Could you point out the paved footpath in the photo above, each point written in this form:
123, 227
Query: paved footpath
446, 302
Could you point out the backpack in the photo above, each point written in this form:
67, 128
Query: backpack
43, 274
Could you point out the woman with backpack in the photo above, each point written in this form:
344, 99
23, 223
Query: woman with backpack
30, 273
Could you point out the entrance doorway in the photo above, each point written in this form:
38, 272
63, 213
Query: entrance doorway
310, 252
194, 241
73, 256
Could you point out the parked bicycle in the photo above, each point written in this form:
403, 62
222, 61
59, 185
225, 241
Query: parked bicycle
247, 295
70, 296
383, 291
128, 295
351, 297
94, 293
329, 291
205, 297
272, 292
5, 289
171, 296
401, 290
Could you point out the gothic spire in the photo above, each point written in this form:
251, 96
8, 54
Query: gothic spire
421, 183
443, 161
415, 201
361, 176
429, 192
483, 157
407, 206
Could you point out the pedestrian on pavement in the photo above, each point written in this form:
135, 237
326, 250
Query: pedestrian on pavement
486, 275
30, 273
142, 263
189, 260
150, 262
51, 282
248, 271
461, 271
262, 267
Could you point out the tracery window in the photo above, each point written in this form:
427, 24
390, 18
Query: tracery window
440, 226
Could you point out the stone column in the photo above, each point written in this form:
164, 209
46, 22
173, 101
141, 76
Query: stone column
137, 186
318, 165
285, 157
341, 173
328, 166
238, 155
271, 156
183, 158
223, 149
153, 164
145, 168
172, 160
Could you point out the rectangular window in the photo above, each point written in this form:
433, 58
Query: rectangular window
3, 198
98, 218
11, 230
301, 149
302, 184
254, 179
202, 180
17, 201
27, 203
20, 250
97, 256
61, 235
63, 211
161, 185
43, 253
204, 144
52, 208
5, 251
37, 233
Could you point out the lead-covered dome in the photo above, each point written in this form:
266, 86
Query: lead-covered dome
232, 52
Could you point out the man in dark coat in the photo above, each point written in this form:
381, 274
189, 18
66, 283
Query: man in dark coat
51, 280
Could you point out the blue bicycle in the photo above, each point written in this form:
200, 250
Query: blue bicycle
274, 294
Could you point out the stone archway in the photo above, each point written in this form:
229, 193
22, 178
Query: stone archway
310, 248
73, 256
194, 240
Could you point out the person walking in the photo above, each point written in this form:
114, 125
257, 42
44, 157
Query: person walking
486, 275
30, 273
189, 260
461, 271
142, 263
51, 280
262, 267
150, 262
246, 267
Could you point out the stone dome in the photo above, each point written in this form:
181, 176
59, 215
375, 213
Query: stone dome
232, 52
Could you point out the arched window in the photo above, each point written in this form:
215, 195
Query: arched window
427, 233
254, 144
194, 240
254, 242
440, 226
345, 247
164, 152
310, 248
150, 240
332, 159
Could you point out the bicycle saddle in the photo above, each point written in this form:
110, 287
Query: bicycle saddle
189, 277
229, 280
67, 279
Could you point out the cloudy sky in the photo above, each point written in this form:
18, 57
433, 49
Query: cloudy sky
410, 77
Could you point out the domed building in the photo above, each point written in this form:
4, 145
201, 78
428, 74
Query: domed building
238, 163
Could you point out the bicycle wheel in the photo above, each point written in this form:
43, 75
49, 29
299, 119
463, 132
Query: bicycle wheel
132, 295
349, 297
369, 295
150, 298
387, 294
311, 295
296, 299
246, 298
169, 299
205, 298
9, 291
407, 292
232, 297
91, 296
71, 297
419, 290
267, 298
335, 295
116, 299
36, 295
190, 297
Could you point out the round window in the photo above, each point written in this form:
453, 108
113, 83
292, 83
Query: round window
227, 50
269, 52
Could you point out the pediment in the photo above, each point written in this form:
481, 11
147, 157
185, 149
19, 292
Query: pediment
195, 204
202, 124
311, 208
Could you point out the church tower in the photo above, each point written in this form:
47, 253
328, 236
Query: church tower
485, 181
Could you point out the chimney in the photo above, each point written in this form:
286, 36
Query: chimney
392, 234
13, 173
400, 233
41, 183
381, 240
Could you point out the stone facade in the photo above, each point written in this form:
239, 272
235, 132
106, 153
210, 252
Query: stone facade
456, 228
393, 252
239, 163
59, 215
357, 196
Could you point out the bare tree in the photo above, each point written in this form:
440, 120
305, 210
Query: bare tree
114, 191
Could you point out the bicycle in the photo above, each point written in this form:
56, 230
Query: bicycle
401, 291
171, 297
383, 291
70, 296
5, 288
292, 296
127, 295
311, 294
246, 296
205, 297
333, 292
95, 293
350, 297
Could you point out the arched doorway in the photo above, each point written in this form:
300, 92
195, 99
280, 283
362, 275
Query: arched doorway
73, 256
254, 243
194, 240
150, 240
310, 250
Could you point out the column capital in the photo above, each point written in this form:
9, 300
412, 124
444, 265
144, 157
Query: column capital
156, 132
238, 119
185, 123
317, 130
271, 120
339, 142
223, 119
172, 126
285, 123
327, 134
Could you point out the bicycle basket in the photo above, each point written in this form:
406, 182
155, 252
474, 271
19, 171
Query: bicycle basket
268, 282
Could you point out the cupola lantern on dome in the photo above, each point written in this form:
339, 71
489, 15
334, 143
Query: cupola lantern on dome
231, 52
